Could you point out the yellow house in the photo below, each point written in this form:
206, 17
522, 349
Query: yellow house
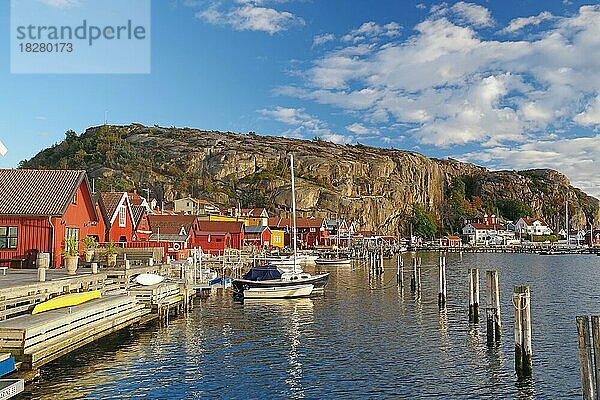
277, 239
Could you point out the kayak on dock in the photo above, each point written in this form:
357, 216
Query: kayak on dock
66, 300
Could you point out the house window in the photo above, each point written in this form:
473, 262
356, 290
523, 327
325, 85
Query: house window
8, 237
122, 216
72, 233
74, 200
143, 224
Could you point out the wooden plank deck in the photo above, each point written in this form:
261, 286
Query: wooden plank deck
38, 339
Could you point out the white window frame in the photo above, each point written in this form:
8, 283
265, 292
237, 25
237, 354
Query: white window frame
122, 216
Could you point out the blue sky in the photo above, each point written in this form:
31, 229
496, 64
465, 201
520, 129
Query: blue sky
505, 84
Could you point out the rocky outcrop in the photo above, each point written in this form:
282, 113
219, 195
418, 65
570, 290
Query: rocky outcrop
374, 187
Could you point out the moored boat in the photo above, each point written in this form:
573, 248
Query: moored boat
269, 276
278, 292
333, 262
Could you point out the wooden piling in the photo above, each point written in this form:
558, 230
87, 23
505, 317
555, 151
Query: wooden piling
523, 351
492, 306
596, 341
413, 276
585, 357
399, 271
442, 282
473, 295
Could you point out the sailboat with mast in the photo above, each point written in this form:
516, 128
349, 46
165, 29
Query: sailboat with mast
268, 281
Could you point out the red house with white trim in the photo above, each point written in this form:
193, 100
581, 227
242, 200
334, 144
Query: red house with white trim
257, 236
38, 209
310, 231
117, 216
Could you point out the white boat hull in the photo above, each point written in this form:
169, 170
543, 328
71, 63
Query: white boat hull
333, 263
284, 292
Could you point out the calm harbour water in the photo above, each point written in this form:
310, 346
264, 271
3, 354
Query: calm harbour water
363, 339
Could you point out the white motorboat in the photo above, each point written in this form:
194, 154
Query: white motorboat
278, 292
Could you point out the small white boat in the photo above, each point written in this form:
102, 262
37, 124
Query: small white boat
149, 279
278, 292
334, 262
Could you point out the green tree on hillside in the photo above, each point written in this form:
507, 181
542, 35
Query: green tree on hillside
513, 209
423, 223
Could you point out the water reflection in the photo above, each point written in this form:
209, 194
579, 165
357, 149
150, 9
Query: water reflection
296, 315
367, 337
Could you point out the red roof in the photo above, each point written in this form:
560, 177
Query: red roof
487, 226
453, 237
300, 222
38, 192
221, 226
109, 202
171, 224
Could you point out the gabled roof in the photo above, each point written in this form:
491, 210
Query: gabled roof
110, 203
254, 212
221, 226
138, 212
171, 224
300, 222
530, 221
255, 229
38, 192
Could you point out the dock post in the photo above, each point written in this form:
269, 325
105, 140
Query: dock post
94, 268
442, 282
473, 295
41, 274
596, 341
413, 276
381, 261
492, 307
585, 357
399, 272
523, 351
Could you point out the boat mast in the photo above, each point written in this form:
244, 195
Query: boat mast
567, 222
293, 208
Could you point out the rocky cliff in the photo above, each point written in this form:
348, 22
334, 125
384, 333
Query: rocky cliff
374, 187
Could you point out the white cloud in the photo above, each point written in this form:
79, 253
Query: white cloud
324, 38
591, 115
372, 30
519, 23
473, 13
577, 158
359, 129
447, 85
61, 3
468, 13
249, 16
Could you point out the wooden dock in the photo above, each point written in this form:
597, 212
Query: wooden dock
35, 340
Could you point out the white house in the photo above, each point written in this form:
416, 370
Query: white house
532, 226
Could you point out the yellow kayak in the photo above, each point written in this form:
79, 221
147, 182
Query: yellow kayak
66, 300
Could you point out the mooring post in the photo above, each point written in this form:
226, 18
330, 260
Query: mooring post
381, 261
596, 343
473, 295
413, 276
442, 282
399, 272
492, 306
585, 357
523, 351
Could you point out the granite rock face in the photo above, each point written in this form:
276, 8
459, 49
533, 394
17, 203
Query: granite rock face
374, 187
